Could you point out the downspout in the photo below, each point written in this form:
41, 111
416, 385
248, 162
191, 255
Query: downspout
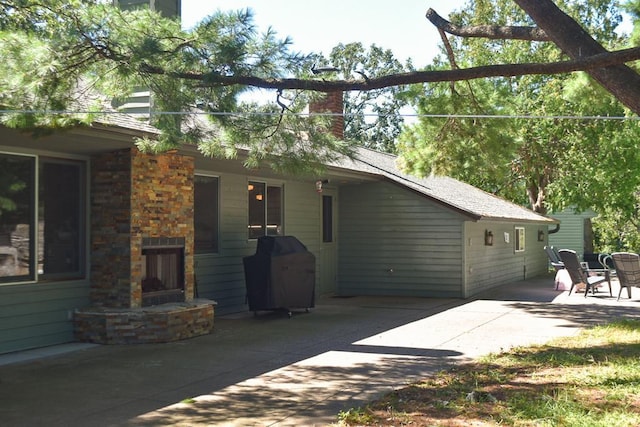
554, 231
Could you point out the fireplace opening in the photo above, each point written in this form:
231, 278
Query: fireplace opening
162, 275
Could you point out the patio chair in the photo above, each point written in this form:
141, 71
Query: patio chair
606, 261
627, 267
554, 258
580, 274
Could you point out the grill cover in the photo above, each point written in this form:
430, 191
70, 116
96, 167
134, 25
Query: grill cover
280, 275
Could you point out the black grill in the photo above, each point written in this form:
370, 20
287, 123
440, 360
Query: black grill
281, 275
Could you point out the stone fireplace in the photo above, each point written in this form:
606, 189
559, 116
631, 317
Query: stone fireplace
142, 277
162, 270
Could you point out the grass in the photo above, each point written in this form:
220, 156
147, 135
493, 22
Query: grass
589, 380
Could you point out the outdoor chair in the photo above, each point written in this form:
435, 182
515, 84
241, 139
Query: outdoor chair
554, 258
581, 274
627, 267
606, 261
562, 279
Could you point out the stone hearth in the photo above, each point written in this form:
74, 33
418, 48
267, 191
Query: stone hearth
160, 323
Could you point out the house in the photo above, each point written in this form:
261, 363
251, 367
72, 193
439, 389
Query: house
100, 242
575, 231
92, 216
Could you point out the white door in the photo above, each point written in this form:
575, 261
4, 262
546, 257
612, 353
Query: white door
329, 247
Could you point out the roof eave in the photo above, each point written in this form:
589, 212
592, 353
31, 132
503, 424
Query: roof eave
546, 220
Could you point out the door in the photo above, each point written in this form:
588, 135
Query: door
329, 246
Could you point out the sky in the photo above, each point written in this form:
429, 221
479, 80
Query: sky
318, 26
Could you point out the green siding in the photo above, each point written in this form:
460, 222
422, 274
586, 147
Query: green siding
390, 241
490, 266
221, 276
36, 315
571, 233
302, 213
393, 242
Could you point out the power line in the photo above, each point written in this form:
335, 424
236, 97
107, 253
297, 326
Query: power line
275, 114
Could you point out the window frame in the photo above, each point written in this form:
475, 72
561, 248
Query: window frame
260, 221
216, 244
519, 241
36, 236
327, 219
82, 207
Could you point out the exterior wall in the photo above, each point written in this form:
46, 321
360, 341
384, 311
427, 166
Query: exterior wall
221, 276
490, 266
38, 314
391, 241
394, 242
571, 233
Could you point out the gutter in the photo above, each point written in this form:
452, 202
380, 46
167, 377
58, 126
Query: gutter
554, 230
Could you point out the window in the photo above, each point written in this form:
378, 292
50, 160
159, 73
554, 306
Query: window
17, 217
205, 214
265, 210
61, 215
519, 239
274, 211
327, 219
42, 211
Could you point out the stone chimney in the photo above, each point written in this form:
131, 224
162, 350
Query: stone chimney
331, 103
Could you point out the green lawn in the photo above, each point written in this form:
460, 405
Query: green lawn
592, 379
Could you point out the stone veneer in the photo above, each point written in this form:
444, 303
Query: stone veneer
136, 196
161, 323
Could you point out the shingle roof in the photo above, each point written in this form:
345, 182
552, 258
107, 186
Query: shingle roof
86, 98
448, 191
127, 121
456, 194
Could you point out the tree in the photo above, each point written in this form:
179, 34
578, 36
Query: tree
617, 227
620, 80
557, 162
57, 49
82, 47
372, 118
555, 25
517, 156
632, 7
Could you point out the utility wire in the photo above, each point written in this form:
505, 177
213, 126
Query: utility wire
258, 113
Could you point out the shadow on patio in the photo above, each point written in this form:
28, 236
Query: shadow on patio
269, 369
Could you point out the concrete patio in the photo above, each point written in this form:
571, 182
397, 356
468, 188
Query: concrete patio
269, 370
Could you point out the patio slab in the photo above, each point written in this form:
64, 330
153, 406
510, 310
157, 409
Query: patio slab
269, 370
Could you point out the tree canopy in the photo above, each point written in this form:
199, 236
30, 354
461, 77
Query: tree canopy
372, 118
546, 137
90, 43
59, 53
511, 57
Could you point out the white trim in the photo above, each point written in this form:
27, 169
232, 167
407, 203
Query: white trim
520, 234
